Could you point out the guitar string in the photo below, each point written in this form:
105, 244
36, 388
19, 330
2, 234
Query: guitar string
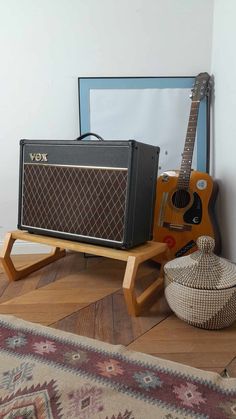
180, 196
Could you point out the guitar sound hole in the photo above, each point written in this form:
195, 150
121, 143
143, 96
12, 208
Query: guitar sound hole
181, 198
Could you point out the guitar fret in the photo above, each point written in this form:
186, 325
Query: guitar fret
185, 169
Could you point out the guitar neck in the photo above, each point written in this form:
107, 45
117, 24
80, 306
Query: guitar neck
187, 156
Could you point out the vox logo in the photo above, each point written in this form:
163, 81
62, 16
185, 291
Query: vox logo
38, 156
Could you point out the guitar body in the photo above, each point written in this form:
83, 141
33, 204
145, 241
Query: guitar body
184, 214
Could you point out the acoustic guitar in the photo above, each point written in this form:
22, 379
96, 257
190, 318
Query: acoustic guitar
185, 198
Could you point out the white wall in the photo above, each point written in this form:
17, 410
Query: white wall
46, 44
224, 70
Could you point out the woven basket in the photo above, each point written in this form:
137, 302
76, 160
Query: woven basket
201, 288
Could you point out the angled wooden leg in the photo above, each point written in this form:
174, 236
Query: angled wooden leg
128, 285
135, 303
14, 274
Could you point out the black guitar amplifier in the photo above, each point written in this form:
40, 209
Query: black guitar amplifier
100, 192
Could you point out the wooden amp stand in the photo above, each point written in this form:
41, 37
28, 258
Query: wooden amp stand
133, 258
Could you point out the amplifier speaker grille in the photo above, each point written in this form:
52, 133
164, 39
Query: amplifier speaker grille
85, 201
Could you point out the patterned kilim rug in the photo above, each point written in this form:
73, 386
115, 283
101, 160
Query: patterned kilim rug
46, 373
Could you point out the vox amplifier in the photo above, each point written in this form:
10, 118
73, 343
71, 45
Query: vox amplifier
100, 192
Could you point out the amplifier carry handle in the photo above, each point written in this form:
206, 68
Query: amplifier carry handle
88, 134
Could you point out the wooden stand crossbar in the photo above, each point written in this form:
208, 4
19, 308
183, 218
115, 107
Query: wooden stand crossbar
133, 257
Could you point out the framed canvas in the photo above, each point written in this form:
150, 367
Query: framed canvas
154, 110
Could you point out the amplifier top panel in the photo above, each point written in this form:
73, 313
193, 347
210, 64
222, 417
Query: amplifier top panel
86, 153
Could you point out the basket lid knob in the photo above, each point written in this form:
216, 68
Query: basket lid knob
206, 244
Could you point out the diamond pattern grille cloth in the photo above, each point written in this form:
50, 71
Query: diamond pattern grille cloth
85, 201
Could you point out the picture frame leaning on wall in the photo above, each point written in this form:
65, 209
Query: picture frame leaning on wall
154, 110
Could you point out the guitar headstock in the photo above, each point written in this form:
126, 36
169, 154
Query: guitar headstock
201, 86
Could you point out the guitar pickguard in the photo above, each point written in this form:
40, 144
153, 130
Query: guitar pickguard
194, 214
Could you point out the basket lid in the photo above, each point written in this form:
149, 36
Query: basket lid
202, 269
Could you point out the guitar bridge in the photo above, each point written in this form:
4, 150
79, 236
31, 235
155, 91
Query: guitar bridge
177, 227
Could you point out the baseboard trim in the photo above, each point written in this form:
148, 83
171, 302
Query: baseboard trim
22, 247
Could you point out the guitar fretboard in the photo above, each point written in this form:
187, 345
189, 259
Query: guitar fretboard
187, 156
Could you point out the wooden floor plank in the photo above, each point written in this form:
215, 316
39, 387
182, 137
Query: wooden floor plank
180, 342
81, 322
103, 326
67, 295
110, 322
13, 289
198, 359
40, 313
33, 281
3, 283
